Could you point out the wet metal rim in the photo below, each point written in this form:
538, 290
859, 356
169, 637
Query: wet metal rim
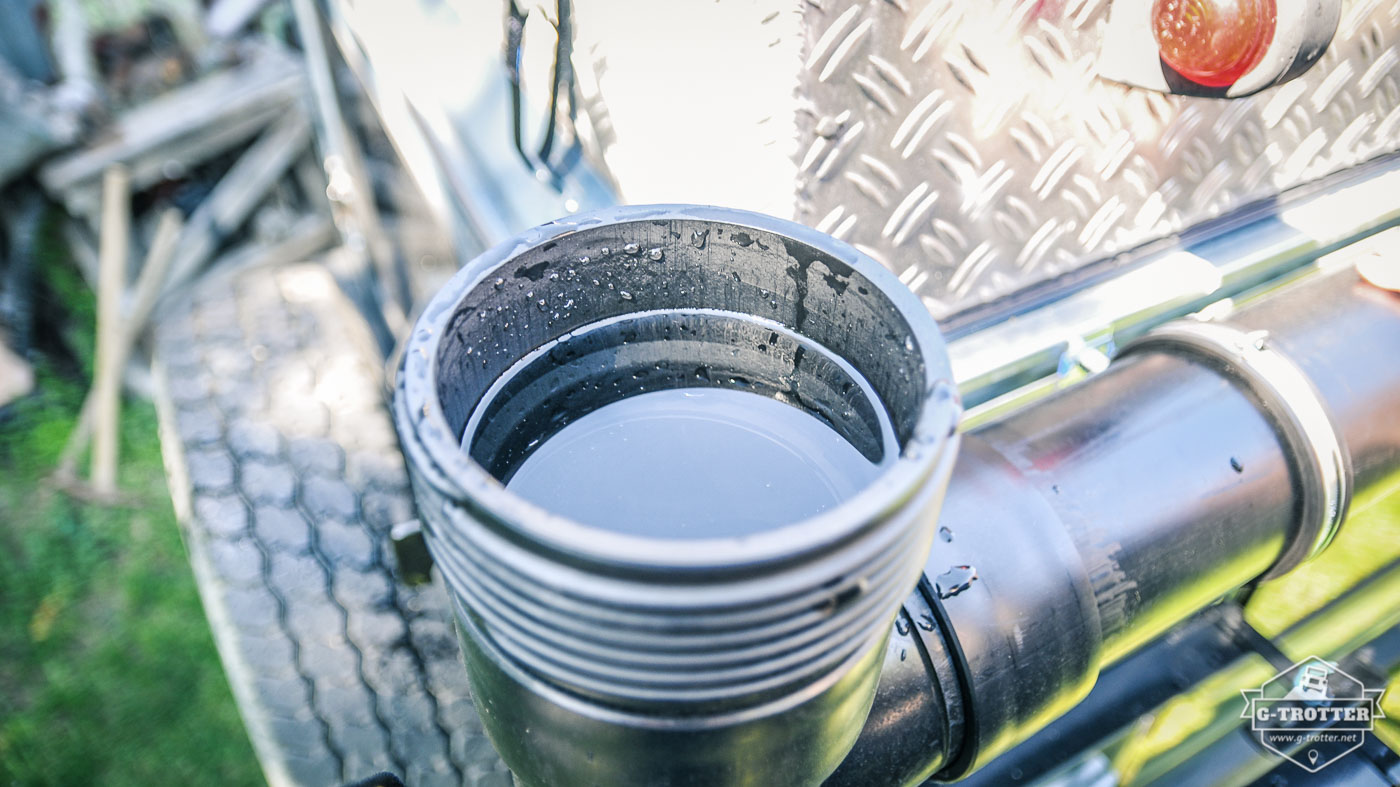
459, 477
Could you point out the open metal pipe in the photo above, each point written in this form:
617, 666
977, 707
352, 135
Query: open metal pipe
1084, 526
603, 655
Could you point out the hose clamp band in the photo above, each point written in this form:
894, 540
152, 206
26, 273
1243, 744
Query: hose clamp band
1314, 447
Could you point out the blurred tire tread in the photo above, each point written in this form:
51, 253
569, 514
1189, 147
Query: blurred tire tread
287, 477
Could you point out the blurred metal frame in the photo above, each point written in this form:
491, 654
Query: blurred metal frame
456, 135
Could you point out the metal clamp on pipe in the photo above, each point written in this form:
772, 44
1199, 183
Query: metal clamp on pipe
1319, 457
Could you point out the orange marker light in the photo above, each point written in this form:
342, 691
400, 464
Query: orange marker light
1213, 42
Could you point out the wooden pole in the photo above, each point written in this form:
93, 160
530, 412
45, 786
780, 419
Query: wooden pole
111, 275
147, 292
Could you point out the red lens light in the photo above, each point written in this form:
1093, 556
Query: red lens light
1213, 42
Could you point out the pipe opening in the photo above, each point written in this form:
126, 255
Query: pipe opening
680, 378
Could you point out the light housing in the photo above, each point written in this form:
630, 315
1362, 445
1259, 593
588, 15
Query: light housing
1213, 42
1214, 48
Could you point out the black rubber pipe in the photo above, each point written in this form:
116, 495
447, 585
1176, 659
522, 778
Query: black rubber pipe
1084, 526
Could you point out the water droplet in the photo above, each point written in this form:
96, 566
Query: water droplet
655, 254
955, 580
903, 654
632, 248
901, 626
909, 343
626, 296
945, 534
499, 282
926, 623
1237, 465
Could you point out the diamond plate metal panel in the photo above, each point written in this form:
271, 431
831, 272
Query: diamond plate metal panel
969, 146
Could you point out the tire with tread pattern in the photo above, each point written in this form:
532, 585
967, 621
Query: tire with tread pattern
287, 477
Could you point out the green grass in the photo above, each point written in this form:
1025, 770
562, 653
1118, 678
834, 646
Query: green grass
108, 673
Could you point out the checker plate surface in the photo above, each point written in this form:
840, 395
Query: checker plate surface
970, 146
